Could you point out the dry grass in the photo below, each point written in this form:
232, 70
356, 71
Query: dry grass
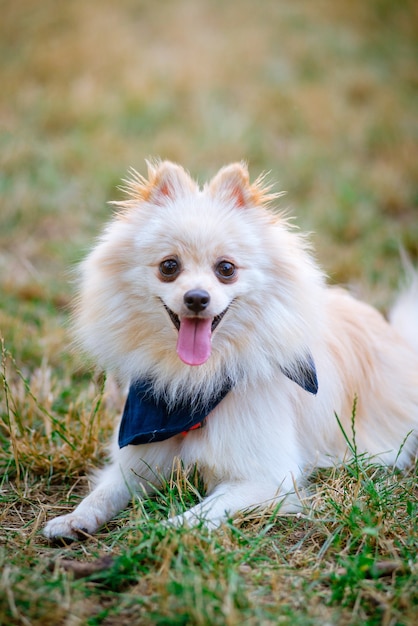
45, 429
321, 93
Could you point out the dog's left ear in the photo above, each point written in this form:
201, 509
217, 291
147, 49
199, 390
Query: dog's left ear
303, 373
232, 184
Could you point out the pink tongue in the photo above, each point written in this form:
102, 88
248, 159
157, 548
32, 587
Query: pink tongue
193, 343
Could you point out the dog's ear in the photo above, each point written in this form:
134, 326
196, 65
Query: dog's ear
303, 373
167, 180
232, 184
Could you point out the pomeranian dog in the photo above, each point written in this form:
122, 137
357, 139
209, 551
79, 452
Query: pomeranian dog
237, 354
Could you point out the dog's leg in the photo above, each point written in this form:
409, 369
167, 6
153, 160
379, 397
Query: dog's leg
110, 496
135, 468
227, 499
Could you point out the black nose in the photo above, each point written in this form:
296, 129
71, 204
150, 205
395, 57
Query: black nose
196, 300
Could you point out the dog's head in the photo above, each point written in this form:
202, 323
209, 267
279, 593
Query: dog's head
196, 277
201, 255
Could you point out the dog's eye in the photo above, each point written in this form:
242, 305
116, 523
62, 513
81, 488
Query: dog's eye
169, 268
225, 270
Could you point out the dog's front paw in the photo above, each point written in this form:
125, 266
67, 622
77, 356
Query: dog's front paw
194, 518
71, 526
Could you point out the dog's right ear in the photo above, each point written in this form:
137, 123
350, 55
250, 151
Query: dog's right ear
165, 181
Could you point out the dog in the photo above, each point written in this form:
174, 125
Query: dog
238, 356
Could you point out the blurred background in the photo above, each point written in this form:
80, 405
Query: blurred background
323, 94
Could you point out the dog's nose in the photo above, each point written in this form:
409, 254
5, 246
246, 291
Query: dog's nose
196, 300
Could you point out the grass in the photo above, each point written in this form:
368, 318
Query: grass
321, 93
350, 560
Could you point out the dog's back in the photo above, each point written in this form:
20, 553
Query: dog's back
404, 313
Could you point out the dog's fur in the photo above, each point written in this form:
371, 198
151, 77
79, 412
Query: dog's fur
268, 430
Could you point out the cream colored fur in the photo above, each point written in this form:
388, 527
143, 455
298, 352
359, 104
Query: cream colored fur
268, 432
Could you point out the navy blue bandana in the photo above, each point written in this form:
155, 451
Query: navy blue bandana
303, 373
146, 419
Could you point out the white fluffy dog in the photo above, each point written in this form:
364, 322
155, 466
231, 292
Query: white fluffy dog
237, 353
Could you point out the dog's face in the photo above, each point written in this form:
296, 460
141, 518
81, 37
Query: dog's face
196, 297
188, 279
201, 263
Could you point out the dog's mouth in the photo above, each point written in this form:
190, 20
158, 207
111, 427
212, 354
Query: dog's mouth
176, 320
194, 342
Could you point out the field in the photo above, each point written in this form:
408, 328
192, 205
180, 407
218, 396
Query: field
323, 95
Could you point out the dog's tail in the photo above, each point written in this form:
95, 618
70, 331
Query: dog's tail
404, 313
